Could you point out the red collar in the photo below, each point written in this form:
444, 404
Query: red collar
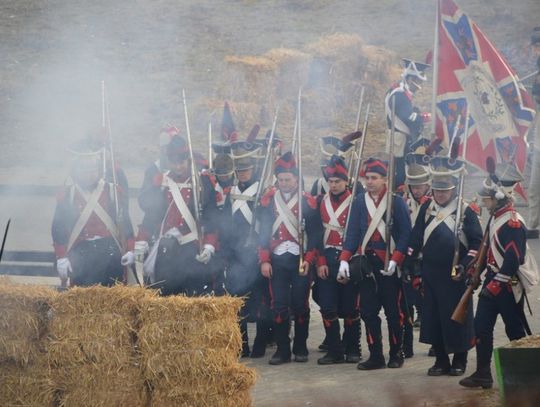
377, 199
503, 210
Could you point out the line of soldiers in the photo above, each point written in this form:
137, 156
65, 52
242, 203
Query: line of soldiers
230, 230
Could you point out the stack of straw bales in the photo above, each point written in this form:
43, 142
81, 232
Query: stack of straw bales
92, 350
331, 71
23, 362
190, 350
119, 346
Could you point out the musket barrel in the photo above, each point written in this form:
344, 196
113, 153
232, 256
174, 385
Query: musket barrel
194, 175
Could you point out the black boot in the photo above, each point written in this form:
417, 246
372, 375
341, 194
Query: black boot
376, 357
335, 349
261, 338
283, 352
323, 347
245, 339
301, 330
408, 339
459, 364
442, 362
351, 340
481, 378
396, 357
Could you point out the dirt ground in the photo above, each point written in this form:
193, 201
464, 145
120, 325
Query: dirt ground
54, 55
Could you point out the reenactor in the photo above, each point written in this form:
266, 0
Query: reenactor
380, 286
434, 236
150, 202
91, 227
417, 192
283, 261
330, 146
185, 236
409, 121
239, 245
335, 296
344, 148
509, 266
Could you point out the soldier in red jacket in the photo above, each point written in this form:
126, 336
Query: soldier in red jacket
91, 226
334, 295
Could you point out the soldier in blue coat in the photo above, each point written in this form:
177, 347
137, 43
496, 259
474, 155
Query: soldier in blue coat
409, 121
433, 237
502, 290
379, 287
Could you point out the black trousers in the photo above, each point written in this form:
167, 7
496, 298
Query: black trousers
288, 289
96, 262
243, 278
486, 316
336, 298
382, 292
177, 270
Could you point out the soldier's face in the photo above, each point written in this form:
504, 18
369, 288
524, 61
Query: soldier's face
443, 197
418, 191
375, 182
337, 185
287, 182
86, 173
179, 167
489, 203
244, 175
415, 84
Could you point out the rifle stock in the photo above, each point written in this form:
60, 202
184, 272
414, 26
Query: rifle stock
460, 312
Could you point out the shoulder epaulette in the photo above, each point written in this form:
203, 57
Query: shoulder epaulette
268, 195
311, 200
158, 179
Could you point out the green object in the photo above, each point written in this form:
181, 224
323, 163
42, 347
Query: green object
518, 374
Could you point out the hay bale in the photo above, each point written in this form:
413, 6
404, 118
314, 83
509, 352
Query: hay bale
250, 79
93, 351
94, 325
23, 322
182, 336
230, 388
29, 386
93, 386
190, 349
292, 70
335, 45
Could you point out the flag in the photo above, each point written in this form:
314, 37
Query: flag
472, 73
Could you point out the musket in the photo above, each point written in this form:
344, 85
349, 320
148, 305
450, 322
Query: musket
357, 126
460, 312
300, 220
354, 179
106, 122
261, 186
459, 209
390, 190
210, 155
4, 239
295, 130
195, 182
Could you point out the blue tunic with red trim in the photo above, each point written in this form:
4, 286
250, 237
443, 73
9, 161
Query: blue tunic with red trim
359, 224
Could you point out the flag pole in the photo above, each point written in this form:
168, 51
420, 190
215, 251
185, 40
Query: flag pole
435, 70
